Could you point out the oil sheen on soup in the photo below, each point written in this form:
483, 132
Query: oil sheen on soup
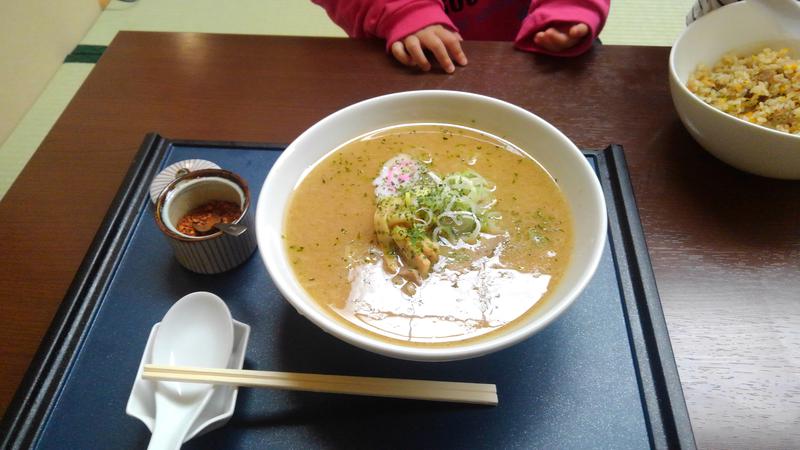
428, 234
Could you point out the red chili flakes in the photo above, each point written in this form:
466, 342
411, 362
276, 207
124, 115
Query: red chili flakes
201, 220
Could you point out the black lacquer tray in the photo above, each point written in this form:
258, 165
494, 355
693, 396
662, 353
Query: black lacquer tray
601, 376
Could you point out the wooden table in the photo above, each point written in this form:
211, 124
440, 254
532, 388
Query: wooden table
725, 245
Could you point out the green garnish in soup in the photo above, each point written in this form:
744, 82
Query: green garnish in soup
424, 240
416, 209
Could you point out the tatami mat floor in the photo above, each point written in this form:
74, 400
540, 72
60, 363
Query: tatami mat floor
631, 22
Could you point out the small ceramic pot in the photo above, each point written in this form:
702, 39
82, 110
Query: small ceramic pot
216, 252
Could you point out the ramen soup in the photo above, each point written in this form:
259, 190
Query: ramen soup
428, 234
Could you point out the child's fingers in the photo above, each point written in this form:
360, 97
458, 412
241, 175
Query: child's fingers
556, 37
542, 39
555, 41
443, 43
578, 31
551, 40
399, 52
433, 43
452, 41
414, 48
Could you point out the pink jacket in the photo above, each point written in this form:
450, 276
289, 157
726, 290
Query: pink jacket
504, 20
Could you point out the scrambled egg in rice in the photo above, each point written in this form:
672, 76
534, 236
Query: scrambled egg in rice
763, 88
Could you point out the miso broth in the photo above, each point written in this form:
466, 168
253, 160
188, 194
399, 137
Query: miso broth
469, 288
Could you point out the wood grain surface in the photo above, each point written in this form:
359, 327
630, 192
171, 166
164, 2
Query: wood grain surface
725, 245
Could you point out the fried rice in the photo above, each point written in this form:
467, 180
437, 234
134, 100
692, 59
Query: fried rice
763, 88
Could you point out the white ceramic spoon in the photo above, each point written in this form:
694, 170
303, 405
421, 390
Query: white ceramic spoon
197, 331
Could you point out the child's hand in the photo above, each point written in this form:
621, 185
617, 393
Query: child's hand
443, 43
555, 41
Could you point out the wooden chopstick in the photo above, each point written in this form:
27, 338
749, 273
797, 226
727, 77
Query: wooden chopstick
443, 391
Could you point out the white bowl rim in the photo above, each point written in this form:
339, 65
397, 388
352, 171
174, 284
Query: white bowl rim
674, 75
445, 352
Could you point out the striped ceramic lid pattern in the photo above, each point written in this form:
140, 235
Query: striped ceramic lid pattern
176, 170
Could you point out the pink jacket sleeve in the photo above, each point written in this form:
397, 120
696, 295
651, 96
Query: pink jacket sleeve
561, 14
388, 19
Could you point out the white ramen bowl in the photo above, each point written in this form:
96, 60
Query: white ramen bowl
742, 28
530, 133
